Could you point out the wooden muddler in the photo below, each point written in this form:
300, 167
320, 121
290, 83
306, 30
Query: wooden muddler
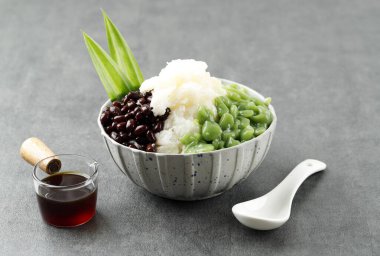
34, 150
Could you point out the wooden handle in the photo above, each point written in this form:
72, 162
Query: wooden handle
34, 150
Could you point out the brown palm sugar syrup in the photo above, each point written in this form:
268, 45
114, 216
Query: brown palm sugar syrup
67, 207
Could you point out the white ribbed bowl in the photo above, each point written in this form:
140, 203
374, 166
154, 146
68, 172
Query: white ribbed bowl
191, 176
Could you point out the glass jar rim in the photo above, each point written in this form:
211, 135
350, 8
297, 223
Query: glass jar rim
77, 185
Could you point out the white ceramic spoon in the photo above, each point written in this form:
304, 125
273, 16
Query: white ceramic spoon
273, 209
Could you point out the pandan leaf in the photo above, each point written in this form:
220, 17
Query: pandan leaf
114, 81
122, 54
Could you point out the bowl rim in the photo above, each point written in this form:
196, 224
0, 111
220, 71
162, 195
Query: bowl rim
224, 81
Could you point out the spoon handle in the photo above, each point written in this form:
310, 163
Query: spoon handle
298, 175
33, 150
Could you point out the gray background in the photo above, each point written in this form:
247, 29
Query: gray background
318, 60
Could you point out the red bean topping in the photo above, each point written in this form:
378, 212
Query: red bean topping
121, 126
124, 136
116, 104
145, 109
105, 118
136, 110
150, 136
114, 126
151, 119
158, 127
119, 119
109, 129
131, 105
166, 115
151, 147
125, 100
139, 116
128, 116
141, 140
133, 95
131, 124
115, 111
140, 130
124, 110
142, 101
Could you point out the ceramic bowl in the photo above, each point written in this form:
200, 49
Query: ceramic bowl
191, 176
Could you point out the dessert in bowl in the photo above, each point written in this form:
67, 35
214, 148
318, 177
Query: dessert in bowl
191, 176
183, 134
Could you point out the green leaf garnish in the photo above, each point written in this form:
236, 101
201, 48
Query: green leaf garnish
114, 81
122, 54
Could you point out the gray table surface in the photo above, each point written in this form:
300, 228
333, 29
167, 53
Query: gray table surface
318, 60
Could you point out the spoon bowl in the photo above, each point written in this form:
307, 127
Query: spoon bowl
272, 210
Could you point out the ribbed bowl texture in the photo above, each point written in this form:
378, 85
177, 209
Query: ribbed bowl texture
191, 176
